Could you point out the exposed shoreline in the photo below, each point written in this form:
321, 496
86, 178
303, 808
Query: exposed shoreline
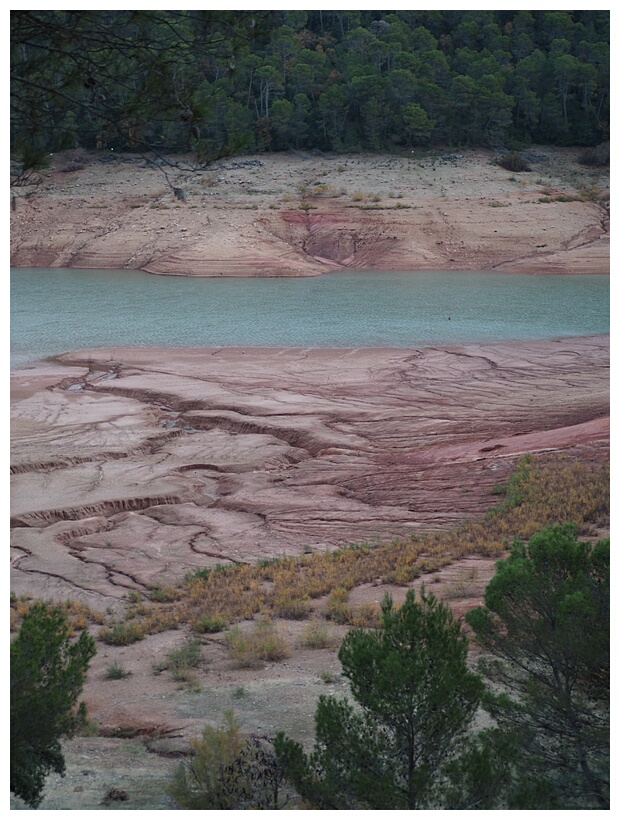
300, 214
385, 437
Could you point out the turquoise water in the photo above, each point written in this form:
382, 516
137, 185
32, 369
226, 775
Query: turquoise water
55, 310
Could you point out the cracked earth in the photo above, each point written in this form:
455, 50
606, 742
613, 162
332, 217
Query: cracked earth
128, 473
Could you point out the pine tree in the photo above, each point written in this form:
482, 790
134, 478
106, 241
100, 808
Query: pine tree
47, 675
406, 742
546, 625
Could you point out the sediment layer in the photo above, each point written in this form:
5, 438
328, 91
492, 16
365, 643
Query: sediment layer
188, 458
300, 214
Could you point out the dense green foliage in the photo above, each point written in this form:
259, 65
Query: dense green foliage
47, 675
406, 742
545, 624
219, 82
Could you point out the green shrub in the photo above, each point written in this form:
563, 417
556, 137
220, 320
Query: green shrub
48, 671
411, 681
116, 671
544, 631
209, 623
228, 771
186, 656
198, 574
122, 634
163, 595
133, 596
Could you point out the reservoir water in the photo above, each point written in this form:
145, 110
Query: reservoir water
56, 310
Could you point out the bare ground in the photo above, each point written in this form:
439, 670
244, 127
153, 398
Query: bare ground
299, 214
132, 467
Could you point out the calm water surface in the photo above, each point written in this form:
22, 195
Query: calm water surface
55, 310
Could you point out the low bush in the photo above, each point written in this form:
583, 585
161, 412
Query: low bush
596, 155
592, 194
291, 607
366, 616
338, 608
79, 615
122, 634
163, 594
116, 671
465, 584
186, 656
328, 677
403, 575
209, 623
513, 162
228, 771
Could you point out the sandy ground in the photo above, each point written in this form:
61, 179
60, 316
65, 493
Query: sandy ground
131, 467
300, 214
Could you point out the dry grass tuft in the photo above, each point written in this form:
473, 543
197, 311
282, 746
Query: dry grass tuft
263, 643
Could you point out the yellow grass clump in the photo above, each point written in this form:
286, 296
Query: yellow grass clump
79, 615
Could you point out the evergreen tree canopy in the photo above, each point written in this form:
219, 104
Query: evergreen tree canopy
406, 742
545, 624
47, 675
218, 82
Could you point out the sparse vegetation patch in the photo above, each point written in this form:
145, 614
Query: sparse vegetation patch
541, 491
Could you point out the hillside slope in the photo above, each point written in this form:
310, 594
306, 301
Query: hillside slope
299, 214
